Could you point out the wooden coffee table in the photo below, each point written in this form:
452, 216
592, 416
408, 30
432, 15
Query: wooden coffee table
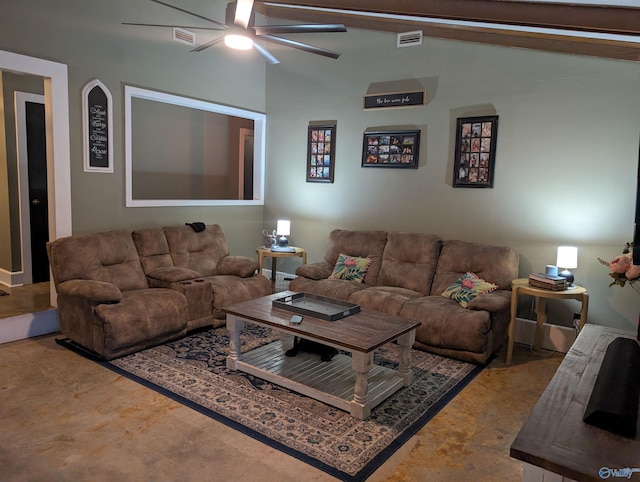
354, 384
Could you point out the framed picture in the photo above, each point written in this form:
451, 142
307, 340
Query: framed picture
475, 151
398, 149
321, 153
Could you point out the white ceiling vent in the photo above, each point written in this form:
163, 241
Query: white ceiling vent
184, 36
410, 39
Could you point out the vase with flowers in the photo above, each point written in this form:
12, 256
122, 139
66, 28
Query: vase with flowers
624, 272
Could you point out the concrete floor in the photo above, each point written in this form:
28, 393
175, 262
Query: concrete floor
65, 418
24, 299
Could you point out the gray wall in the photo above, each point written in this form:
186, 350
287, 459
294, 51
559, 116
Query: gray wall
565, 171
567, 143
89, 37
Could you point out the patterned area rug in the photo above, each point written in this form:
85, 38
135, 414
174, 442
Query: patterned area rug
193, 371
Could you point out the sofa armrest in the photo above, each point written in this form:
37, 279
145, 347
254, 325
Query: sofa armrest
320, 270
172, 274
242, 266
496, 301
95, 291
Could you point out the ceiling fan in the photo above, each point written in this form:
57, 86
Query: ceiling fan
241, 33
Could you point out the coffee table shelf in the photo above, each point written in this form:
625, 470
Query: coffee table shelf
329, 382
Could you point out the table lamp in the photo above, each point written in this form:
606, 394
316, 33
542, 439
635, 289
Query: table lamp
283, 229
567, 259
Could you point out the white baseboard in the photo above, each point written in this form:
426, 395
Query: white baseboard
26, 326
555, 337
11, 279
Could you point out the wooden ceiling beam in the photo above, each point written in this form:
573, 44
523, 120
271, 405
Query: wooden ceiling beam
578, 20
591, 18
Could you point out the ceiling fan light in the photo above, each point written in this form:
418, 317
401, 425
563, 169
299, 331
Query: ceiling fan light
238, 42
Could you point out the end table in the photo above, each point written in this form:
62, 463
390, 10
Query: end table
263, 252
521, 286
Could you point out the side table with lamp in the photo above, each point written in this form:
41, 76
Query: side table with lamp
280, 249
567, 258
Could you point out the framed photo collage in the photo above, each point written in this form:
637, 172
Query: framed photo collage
475, 151
321, 153
391, 149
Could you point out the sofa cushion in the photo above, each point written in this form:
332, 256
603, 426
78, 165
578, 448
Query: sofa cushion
445, 324
153, 249
199, 251
409, 261
467, 287
338, 289
363, 244
110, 257
386, 299
496, 264
142, 319
351, 268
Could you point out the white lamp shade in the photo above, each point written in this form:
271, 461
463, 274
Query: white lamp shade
567, 257
283, 227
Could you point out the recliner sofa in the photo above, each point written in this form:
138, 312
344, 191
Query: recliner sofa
407, 274
123, 291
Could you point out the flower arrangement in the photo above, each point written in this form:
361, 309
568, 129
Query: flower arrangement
623, 270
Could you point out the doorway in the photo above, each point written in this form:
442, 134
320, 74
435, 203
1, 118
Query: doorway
34, 206
56, 90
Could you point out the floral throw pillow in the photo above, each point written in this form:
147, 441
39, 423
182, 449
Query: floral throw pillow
350, 268
467, 287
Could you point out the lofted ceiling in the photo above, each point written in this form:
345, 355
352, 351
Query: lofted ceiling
606, 31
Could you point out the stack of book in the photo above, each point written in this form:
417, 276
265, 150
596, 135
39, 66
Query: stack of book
547, 281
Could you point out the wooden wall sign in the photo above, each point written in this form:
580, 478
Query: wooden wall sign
97, 127
399, 99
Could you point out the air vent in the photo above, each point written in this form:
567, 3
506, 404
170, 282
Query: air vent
184, 36
409, 39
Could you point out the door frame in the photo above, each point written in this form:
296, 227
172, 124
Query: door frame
56, 93
20, 99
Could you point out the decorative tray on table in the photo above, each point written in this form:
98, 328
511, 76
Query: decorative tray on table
316, 306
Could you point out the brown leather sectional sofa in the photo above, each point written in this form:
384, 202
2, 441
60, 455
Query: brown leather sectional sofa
407, 274
123, 291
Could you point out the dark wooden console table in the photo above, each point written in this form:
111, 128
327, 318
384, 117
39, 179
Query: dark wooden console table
554, 439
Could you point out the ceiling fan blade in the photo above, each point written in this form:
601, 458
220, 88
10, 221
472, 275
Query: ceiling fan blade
313, 28
190, 13
243, 12
300, 46
167, 25
211, 43
266, 54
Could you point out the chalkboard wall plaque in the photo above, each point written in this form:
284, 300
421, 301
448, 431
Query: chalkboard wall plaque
97, 126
